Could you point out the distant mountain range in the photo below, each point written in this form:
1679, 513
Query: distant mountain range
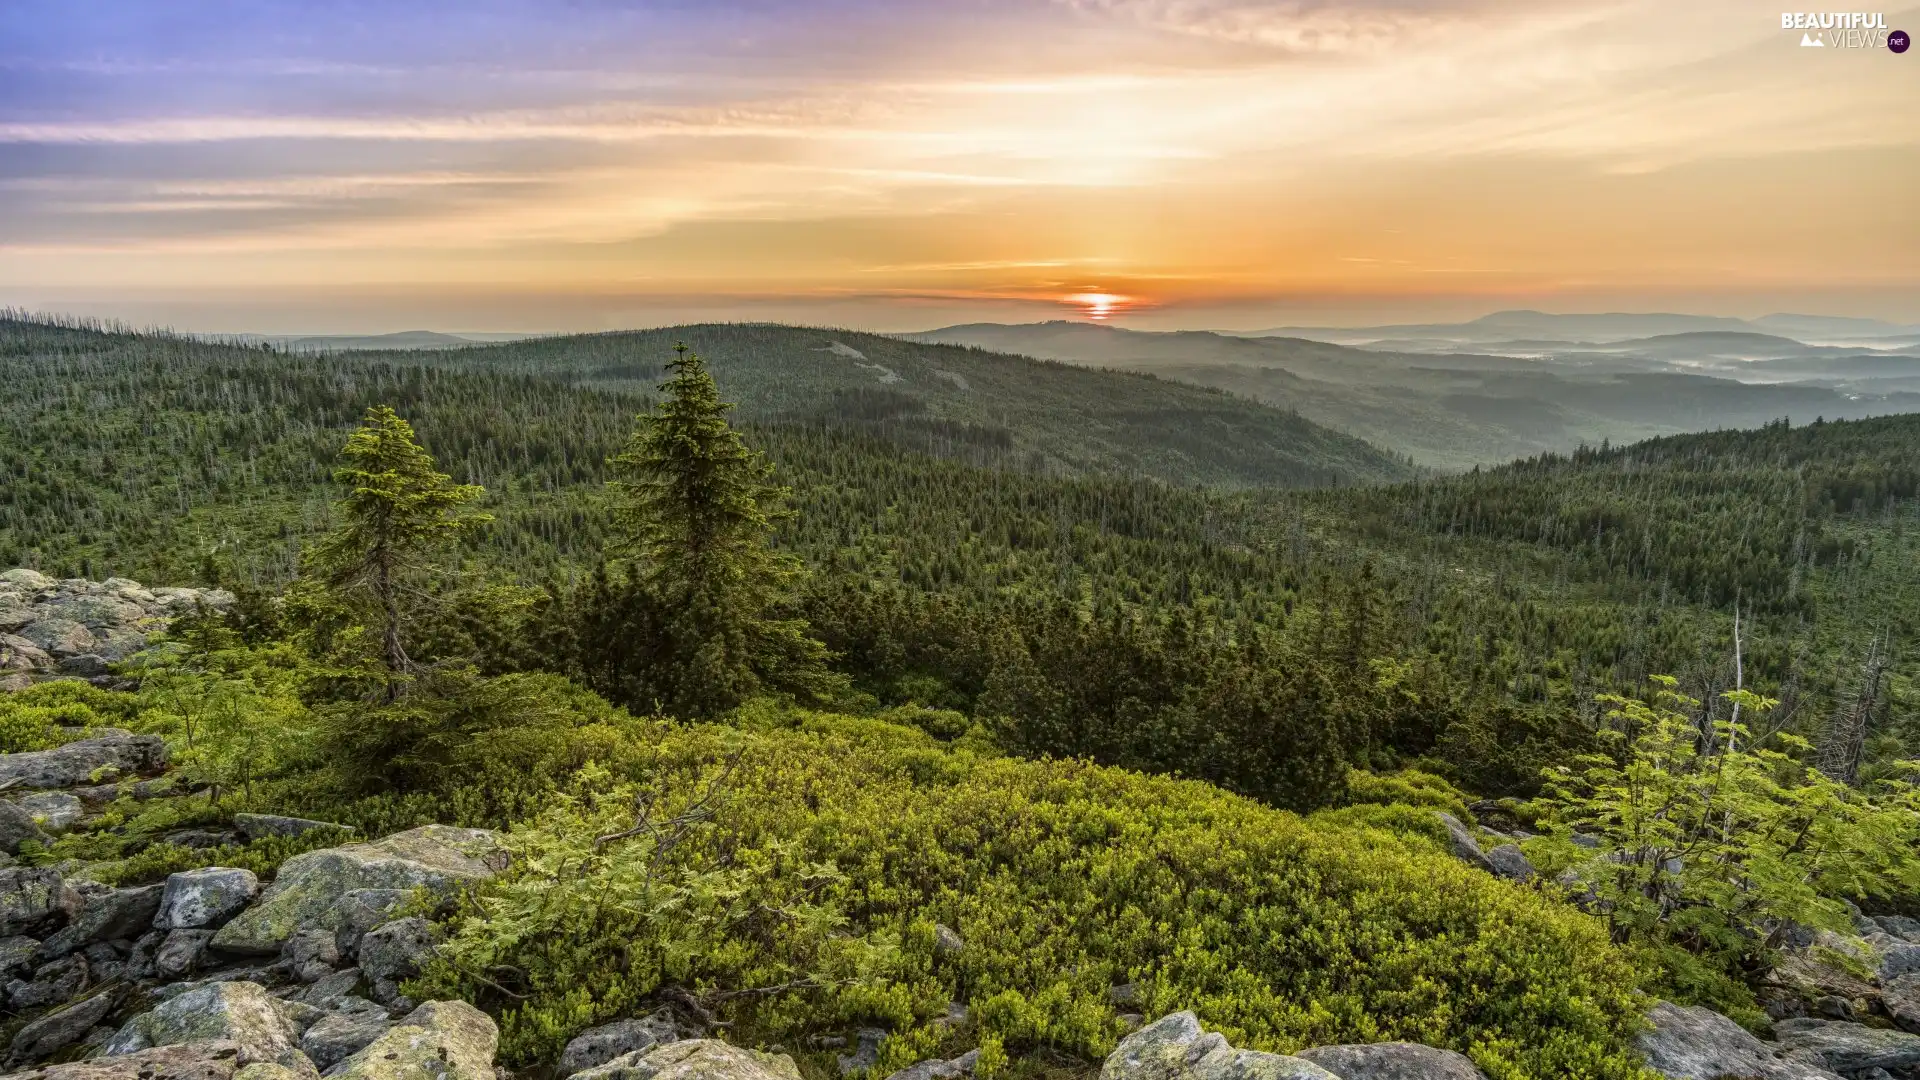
404, 339
1517, 383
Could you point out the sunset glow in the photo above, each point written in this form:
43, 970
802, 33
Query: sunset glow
1221, 162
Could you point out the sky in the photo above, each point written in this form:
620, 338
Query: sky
333, 166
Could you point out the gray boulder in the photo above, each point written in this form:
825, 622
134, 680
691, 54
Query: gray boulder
104, 914
1175, 1047
1900, 926
394, 953
866, 1052
31, 898
188, 1061
1511, 863
597, 1046
1901, 998
336, 1037
61, 1028
17, 955
1393, 1061
18, 654
947, 941
1851, 1048
180, 952
257, 826
54, 811
1897, 956
695, 1059
442, 1040
108, 754
239, 1012
307, 892
17, 827
328, 989
206, 898
1696, 1043
51, 984
311, 955
936, 1069
60, 637
1464, 846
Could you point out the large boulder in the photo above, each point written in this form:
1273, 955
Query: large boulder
597, 1046
1175, 1047
441, 1040
100, 913
242, 1013
307, 893
1901, 998
109, 753
695, 1059
258, 826
395, 953
17, 827
30, 899
1392, 1061
336, 1037
208, 897
1696, 1043
1465, 848
54, 811
1511, 863
1851, 1048
60, 1028
187, 1061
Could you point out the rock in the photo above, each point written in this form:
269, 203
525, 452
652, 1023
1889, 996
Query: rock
394, 953
442, 1040
328, 988
240, 1012
207, 898
307, 892
86, 665
60, 637
1392, 1061
311, 955
29, 581
1123, 994
1463, 845
1901, 998
866, 1052
1175, 1047
597, 1046
947, 941
17, 827
360, 910
256, 826
17, 955
267, 1070
77, 763
52, 983
104, 914
1696, 1043
1834, 1007
140, 956
1851, 1048
1900, 926
1897, 956
31, 898
937, 1069
61, 1028
54, 811
338, 1036
189, 1061
181, 952
1510, 863
695, 1059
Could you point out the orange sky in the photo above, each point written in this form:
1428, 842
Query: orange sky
1210, 162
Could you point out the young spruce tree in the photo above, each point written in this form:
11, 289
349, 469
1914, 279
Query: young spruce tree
690, 623
399, 507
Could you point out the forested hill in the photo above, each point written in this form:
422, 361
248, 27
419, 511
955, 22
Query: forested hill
954, 401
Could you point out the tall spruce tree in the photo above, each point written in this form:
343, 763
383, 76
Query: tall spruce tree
691, 620
399, 508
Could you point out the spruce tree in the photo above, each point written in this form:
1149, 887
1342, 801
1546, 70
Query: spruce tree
691, 621
399, 507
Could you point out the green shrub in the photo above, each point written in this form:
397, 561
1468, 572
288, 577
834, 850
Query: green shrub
1408, 787
806, 901
31, 719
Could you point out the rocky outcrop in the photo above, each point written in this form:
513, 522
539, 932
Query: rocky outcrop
1463, 845
242, 1013
109, 754
189, 1061
310, 889
1177, 1048
31, 898
695, 1059
60, 1028
1696, 1043
441, 1040
597, 1046
76, 627
209, 897
1392, 1061
1851, 1048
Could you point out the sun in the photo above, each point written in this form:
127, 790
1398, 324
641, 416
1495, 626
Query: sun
1098, 306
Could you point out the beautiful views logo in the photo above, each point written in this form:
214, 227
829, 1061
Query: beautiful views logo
1844, 30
